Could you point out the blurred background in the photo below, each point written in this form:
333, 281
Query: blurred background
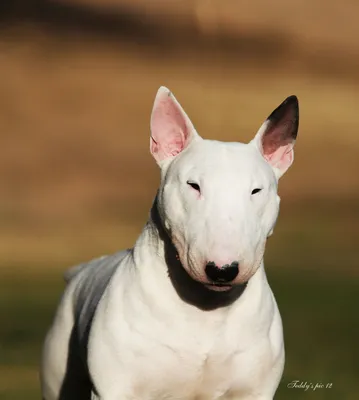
77, 83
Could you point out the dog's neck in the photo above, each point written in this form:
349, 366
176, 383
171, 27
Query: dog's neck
155, 251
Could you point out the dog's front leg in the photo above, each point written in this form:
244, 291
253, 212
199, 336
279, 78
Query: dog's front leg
94, 396
251, 397
110, 355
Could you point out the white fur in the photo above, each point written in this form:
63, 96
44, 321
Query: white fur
157, 331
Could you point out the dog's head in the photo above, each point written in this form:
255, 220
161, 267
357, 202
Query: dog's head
218, 201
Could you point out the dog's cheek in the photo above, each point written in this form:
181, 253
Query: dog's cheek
270, 217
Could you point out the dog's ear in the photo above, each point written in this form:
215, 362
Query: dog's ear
276, 137
171, 129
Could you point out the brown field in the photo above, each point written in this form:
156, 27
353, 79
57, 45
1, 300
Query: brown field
77, 82
75, 100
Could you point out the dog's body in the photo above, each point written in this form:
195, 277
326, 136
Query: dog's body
188, 312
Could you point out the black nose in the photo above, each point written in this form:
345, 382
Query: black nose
223, 274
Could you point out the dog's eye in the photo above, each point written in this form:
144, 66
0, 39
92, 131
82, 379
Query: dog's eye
254, 191
194, 185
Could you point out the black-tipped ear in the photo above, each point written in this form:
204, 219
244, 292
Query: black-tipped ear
276, 137
287, 111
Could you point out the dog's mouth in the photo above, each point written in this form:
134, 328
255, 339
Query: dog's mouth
218, 287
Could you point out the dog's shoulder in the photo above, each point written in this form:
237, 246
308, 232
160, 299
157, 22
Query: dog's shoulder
86, 284
98, 264
75, 269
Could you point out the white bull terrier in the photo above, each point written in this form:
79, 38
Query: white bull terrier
187, 313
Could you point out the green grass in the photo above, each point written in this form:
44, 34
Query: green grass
26, 309
321, 333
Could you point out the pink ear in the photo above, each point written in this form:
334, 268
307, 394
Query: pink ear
276, 137
171, 129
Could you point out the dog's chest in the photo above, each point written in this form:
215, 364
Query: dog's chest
197, 362
162, 351
189, 370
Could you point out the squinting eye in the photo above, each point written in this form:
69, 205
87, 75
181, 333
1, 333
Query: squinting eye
254, 191
194, 185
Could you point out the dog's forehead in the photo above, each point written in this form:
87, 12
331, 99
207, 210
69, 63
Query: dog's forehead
223, 158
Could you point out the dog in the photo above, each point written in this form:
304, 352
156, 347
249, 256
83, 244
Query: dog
187, 313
